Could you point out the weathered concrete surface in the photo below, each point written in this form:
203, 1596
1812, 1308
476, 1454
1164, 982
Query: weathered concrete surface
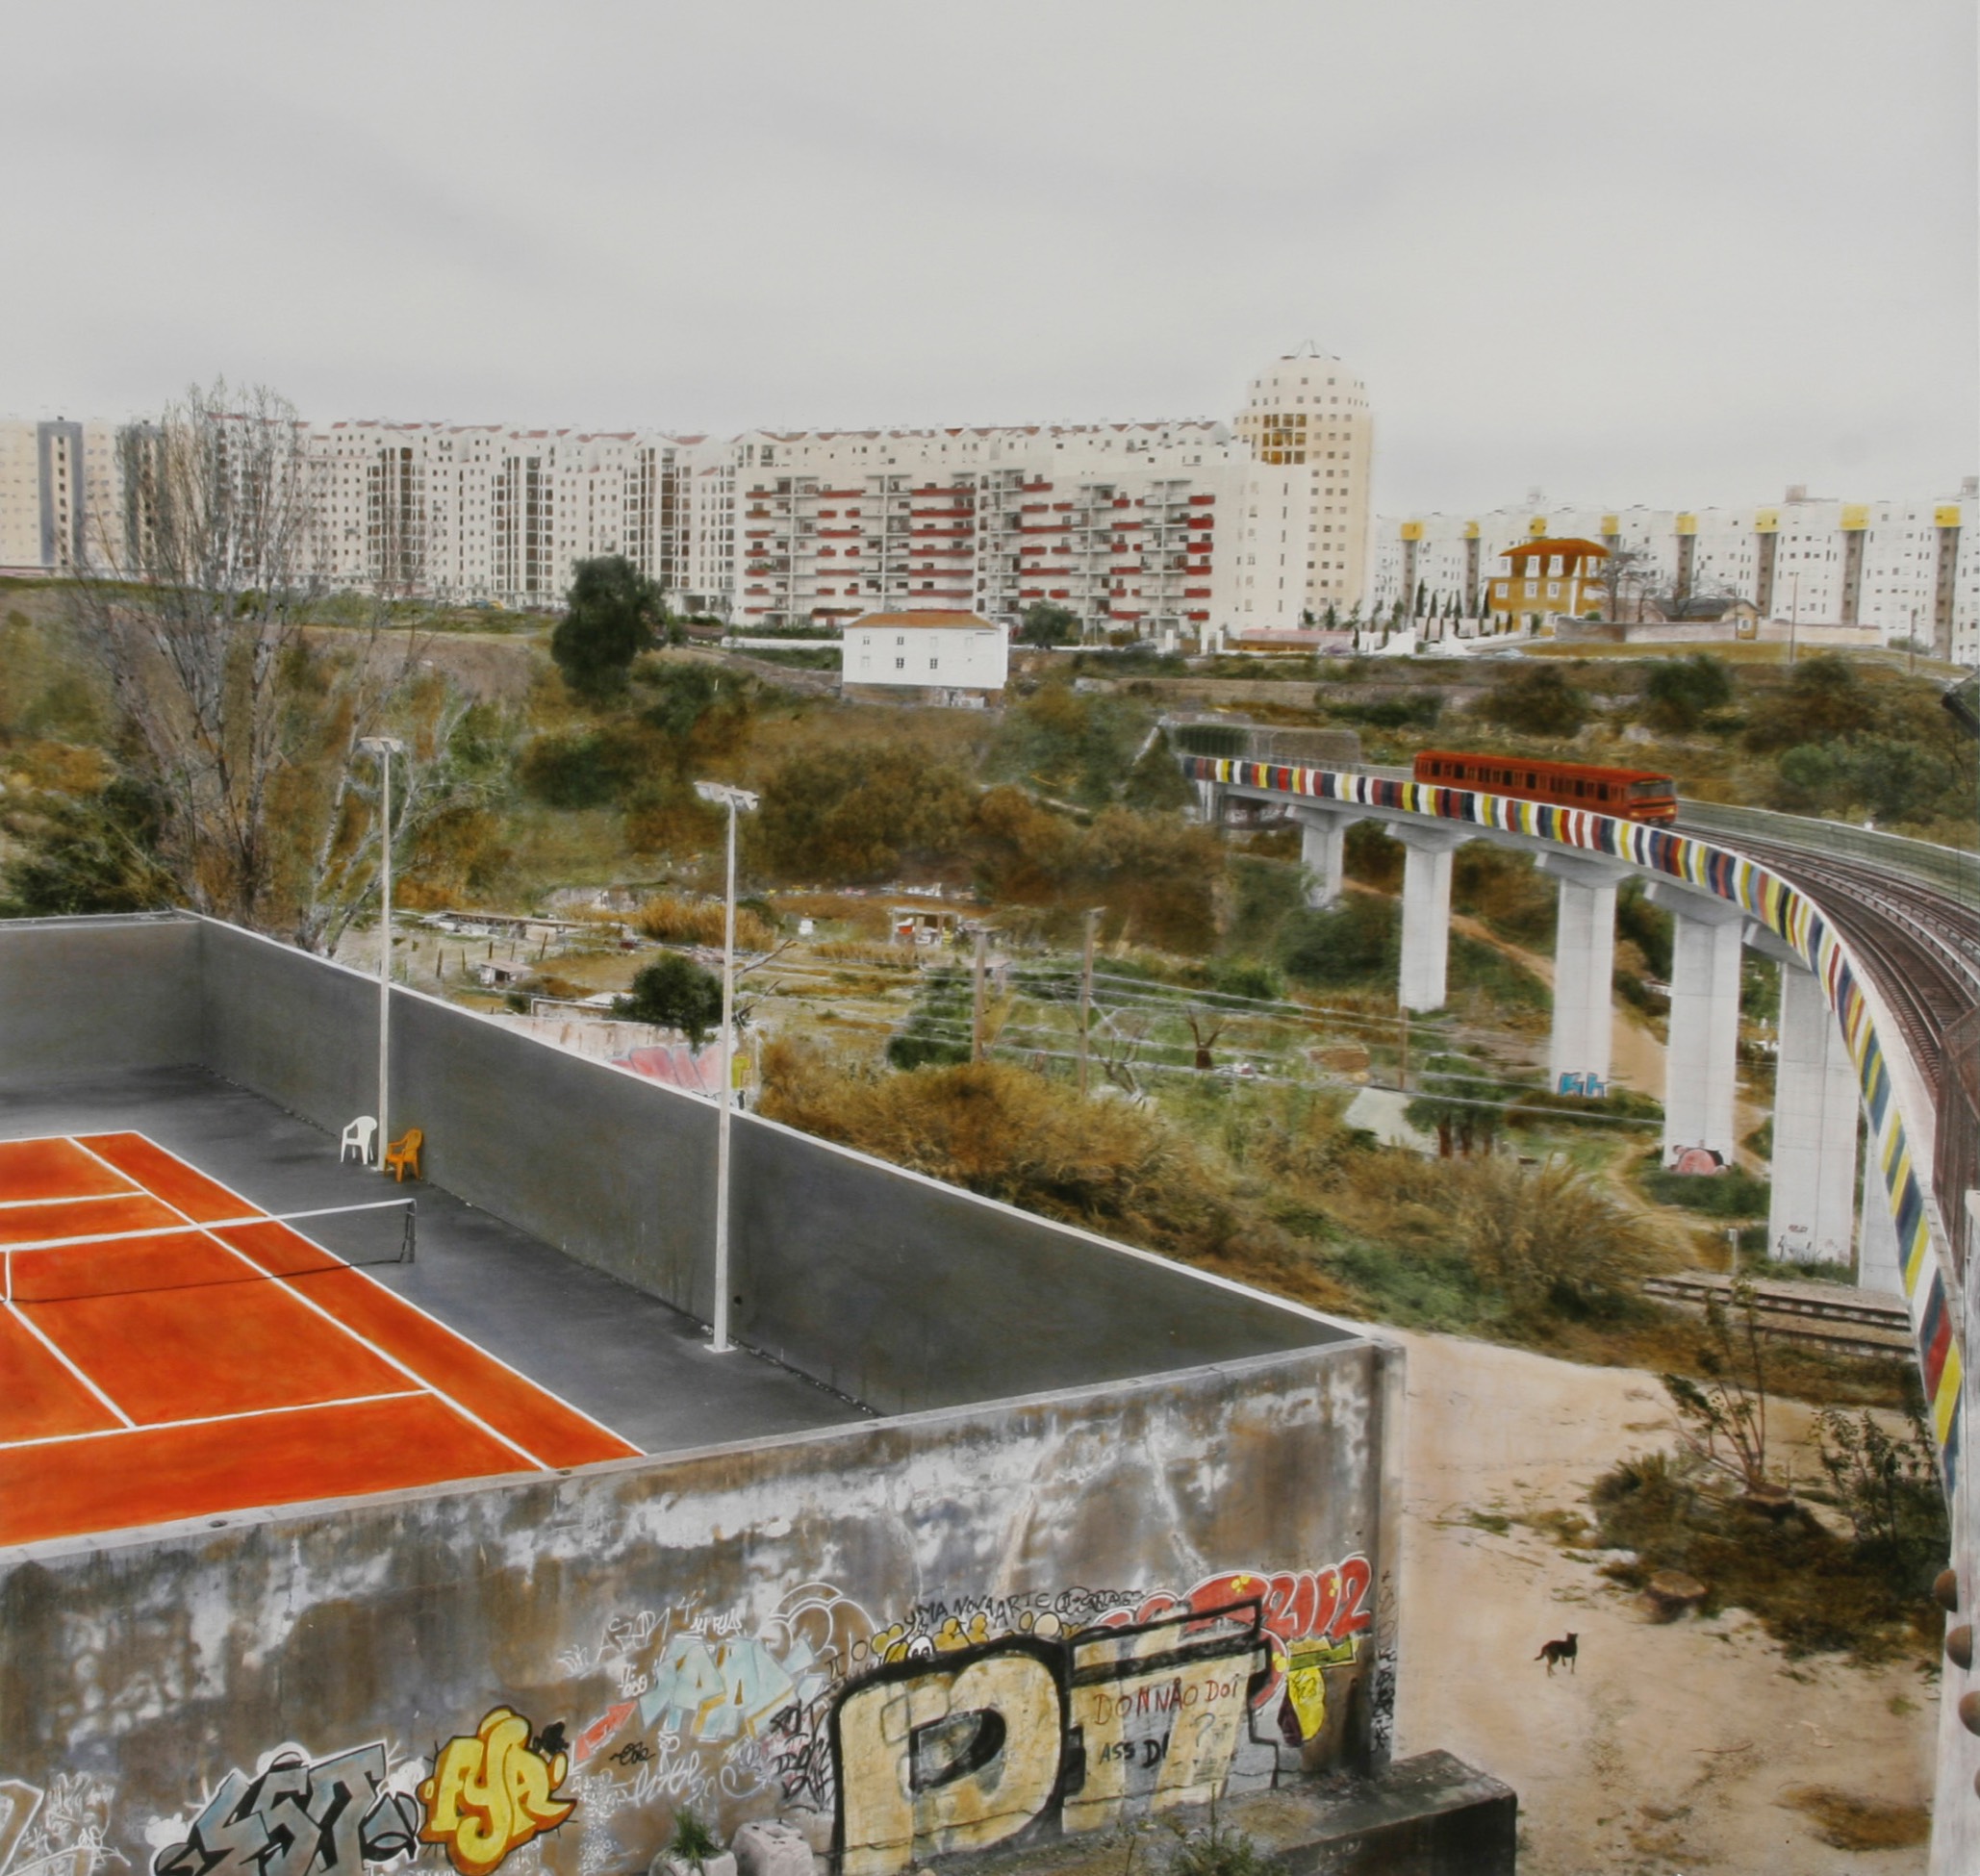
1432, 1815
699, 1628
78, 994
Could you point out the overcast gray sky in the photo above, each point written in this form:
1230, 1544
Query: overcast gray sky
1681, 252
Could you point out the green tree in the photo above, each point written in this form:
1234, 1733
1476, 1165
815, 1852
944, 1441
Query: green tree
1536, 700
1679, 692
612, 614
1045, 625
675, 993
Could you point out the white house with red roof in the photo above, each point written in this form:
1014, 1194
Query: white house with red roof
948, 657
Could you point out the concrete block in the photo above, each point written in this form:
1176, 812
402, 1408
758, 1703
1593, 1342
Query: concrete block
667, 1863
768, 1849
815, 1827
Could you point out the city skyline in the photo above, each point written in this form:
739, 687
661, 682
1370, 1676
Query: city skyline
1694, 268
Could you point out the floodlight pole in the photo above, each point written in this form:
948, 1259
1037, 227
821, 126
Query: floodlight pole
721, 1342
734, 799
383, 749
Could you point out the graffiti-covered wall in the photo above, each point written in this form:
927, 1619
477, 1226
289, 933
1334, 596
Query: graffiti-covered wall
897, 1640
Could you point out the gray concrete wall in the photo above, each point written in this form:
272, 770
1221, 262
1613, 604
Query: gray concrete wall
900, 1291
78, 996
868, 1633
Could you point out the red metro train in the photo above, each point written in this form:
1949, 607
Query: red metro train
1627, 794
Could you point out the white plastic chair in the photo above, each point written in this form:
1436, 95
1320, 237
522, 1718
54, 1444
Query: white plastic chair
360, 1134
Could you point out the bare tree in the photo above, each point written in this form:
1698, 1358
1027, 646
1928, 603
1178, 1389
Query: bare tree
1200, 1021
197, 602
1118, 1037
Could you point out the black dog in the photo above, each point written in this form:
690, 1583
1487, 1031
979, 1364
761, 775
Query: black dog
1554, 1653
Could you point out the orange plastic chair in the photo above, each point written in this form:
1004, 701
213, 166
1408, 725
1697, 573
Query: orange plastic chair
404, 1154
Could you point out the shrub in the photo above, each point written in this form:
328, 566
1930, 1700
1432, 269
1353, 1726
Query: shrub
1679, 691
860, 812
1357, 942
580, 769
1536, 700
1732, 1193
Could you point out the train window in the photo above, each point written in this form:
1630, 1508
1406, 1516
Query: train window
1532, 779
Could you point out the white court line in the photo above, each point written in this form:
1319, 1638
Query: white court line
34, 1329
212, 1419
310, 1302
405, 1302
80, 1238
75, 1199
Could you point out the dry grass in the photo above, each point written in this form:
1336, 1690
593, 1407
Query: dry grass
997, 1130
678, 921
1848, 1822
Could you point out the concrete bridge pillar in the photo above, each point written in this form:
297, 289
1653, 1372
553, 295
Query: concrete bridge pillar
1323, 846
1702, 1058
1584, 972
1817, 1100
1876, 1240
1209, 803
1425, 912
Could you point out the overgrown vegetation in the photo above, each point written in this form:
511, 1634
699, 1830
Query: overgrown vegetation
1719, 1511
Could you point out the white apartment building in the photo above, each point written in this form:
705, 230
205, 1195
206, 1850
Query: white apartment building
1118, 522
59, 490
1188, 527
1902, 568
1150, 528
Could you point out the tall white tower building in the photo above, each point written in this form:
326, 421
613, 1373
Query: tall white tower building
1313, 438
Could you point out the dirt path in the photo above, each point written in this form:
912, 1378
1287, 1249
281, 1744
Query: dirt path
1669, 1748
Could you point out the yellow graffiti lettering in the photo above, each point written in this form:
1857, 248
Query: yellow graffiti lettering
490, 1793
892, 1816
1305, 1686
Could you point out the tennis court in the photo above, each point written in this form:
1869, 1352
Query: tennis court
169, 1350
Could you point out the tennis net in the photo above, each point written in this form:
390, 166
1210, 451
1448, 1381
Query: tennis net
53, 1266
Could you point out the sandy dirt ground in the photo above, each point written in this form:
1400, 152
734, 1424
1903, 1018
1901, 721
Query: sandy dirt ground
1669, 1748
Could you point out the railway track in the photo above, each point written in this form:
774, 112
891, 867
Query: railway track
1809, 1315
1920, 947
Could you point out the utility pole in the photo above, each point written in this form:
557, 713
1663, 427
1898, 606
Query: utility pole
977, 1008
1912, 670
1402, 1072
1794, 612
1087, 995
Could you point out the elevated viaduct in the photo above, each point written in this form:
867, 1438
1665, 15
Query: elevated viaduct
1880, 1010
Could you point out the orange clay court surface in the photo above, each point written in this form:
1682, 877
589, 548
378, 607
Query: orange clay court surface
180, 1373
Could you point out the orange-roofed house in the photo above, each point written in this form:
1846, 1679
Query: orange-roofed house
1564, 576
943, 657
